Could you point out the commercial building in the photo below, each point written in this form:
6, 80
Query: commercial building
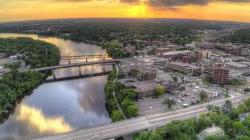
185, 68
174, 54
220, 75
203, 54
142, 88
236, 65
143, 73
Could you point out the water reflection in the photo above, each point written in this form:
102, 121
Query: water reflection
61, 106
36, 119
67, 47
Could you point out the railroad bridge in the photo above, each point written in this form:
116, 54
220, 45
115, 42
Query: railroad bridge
86, 58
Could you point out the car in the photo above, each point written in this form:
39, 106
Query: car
185, 105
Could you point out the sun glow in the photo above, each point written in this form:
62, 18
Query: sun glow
138, 10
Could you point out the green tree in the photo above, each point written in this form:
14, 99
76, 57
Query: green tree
114, 49
160, 90
169, 103
132, 111
148, 136
125, 103
116, 116
203, 96
175, 78
227, 107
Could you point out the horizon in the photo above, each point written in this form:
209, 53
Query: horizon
120, 18
218, 10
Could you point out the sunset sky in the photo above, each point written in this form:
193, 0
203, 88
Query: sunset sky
230, 10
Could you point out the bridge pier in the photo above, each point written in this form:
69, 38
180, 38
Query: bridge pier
86, 59
80, 71
103, 67
54, 75
69, 60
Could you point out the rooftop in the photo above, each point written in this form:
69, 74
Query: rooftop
185, 65
176, 52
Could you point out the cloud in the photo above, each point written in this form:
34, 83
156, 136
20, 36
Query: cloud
152, 3
175, 3
43, 124
130, 1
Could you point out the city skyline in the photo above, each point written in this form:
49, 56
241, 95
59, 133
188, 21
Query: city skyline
225, 10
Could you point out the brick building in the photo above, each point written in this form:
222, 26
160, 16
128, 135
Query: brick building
220, 75
185, 68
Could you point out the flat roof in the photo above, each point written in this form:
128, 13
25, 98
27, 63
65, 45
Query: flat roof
175, 52
185, 65
236, 64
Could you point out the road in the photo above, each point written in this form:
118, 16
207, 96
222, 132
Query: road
141, 123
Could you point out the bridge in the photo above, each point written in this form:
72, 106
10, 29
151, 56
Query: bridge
135, 125
84, 57
102, 63
105, 62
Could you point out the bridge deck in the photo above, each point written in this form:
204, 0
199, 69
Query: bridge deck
84, 56
75, 65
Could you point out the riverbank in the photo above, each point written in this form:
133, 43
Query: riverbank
15, 85
120, 101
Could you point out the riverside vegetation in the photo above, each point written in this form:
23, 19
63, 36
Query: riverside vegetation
124, 97
227, 118
16, 84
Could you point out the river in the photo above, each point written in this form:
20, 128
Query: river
59, 107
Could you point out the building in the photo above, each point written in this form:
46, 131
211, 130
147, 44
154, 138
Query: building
206, 45
236, 65
220, 75
142, 73
174, 54
160, 51
130, 49
142, 88
245, 52
234, 49
185, 68
203, 54
212, 131
189, 59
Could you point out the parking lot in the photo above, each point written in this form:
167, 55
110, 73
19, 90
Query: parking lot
187, 95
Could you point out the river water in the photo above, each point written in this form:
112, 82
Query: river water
59, 107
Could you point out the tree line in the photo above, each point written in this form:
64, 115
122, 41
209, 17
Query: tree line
16, 84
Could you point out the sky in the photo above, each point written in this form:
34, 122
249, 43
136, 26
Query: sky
226, 10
